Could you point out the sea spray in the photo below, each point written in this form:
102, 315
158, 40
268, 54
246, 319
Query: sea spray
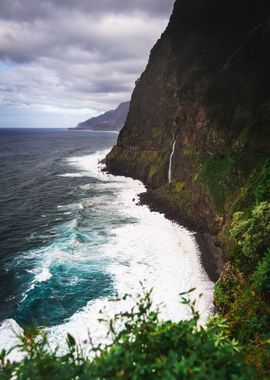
119, 244
148, 249
9, 338
170, 164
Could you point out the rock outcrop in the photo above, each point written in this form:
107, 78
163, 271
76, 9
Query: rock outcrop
113, 120
207, 86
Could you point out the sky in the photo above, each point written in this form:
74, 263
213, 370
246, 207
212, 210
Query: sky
63, 61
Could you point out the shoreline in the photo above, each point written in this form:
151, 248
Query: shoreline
212, 254
205, 241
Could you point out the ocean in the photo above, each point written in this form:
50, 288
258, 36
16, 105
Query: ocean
73, 237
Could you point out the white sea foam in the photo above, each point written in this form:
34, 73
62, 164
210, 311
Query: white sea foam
151, 250
9, 331
45, 275
73, 175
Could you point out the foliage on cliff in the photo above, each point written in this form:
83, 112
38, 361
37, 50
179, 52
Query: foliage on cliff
207, 86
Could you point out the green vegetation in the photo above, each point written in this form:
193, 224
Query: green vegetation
146, 348
158, 167
224, 158
215, 171
242, 293
235, 180
235, 344
239, 185
252, 235
227, 74
261, 277
174, 193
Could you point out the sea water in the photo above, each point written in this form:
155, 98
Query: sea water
74, 237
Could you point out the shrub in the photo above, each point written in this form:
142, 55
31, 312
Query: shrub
146, 348
252, 234
262, 191
261, 277
225, 294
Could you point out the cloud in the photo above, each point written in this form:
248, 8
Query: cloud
85, 54
28, 10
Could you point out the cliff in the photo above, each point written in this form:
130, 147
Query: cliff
113, 120
206, 87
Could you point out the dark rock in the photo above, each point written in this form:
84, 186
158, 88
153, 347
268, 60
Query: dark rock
207, 85
109, 121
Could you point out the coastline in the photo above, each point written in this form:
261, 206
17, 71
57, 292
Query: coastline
210, 251
212, 254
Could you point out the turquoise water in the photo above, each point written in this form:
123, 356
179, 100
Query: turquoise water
88, 241
45, 213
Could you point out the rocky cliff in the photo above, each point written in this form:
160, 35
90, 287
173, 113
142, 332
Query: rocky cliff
206, 87
113, 120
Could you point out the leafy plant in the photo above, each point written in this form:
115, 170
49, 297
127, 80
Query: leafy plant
145, 348
252, 234
261, 277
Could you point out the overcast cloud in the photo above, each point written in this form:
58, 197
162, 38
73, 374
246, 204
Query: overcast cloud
73, 58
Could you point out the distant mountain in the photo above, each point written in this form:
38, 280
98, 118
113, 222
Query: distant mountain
112, 120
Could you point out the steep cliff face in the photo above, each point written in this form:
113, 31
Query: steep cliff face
207, 87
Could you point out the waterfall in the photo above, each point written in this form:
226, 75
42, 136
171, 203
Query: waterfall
170, 165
